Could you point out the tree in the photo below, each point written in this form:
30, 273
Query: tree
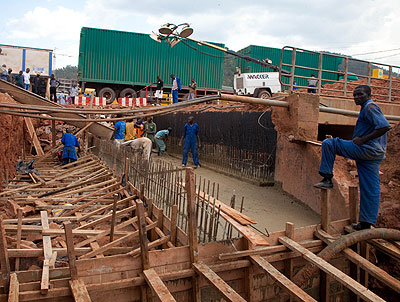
67, 72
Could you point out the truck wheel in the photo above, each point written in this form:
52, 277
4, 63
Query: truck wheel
128, 93
107, 93
264, 94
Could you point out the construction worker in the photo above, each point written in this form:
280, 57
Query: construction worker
192, 141
27, 79
150, 129
159, 91
54, 83
3, 72
160, 138
139, 127
176, 86
19, 79
130, 131
367, 148
119, 134
70, 142
36, 83
192, 90
142, 145
312, 83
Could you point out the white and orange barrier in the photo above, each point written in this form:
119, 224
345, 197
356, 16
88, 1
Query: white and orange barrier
132, 102
85, 101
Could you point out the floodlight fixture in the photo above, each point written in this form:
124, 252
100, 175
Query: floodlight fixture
167, 29
186, 31
155, 37
174, 41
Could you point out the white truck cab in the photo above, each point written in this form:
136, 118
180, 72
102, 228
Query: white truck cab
260, 84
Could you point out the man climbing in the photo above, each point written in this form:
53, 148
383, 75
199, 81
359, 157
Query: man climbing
160, 137
367, 148
150, 129
192, 141
70, 142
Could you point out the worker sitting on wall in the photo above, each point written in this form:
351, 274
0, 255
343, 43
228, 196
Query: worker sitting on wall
368, 149
192, 141
160, 137
70, 142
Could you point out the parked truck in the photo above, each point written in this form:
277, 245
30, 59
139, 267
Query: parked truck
125, 64
19, 58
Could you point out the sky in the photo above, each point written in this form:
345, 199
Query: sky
367, 29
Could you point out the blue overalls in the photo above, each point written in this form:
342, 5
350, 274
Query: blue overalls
367, 157
70, 142
190, 143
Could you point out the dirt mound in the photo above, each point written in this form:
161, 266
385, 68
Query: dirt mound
389, 215
379, 93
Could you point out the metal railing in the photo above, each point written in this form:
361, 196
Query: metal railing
340, 79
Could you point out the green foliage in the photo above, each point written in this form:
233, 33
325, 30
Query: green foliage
67, 72
229, 70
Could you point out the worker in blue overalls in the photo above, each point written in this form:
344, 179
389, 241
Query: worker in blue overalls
70, 142
367, 148
192, 141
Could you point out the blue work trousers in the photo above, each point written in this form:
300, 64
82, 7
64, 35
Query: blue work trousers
160, 144
190, 144
175, 96
367, 161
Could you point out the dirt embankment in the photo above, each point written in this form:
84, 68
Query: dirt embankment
389, 213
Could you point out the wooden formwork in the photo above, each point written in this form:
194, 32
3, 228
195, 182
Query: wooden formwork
122, 247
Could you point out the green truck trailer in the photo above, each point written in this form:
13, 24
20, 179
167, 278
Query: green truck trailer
125, 64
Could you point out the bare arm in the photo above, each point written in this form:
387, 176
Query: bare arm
359, 141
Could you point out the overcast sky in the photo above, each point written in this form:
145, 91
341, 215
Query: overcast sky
349, 27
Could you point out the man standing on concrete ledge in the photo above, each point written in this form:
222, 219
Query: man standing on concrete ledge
367, 148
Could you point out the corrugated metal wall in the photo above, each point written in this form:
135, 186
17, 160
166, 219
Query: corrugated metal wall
132, 58
302, 59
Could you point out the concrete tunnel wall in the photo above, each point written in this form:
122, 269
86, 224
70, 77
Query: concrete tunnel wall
296, 165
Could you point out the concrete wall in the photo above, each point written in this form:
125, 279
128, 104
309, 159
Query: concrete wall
297, 164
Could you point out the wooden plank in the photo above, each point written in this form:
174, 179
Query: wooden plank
218, 283
19, 233
32, 134
53, 133
325, 210
114, 210
142, 234
335, 273
157, 286
353, 204
375, 271
4, 260
47, 251
283, 281
13, 293
79, 291
174, 216
192, 228
70, 250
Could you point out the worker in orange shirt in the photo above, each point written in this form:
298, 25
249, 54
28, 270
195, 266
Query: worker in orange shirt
139, 127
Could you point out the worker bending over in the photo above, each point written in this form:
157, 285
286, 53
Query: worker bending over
367, 148
192, 141
160, 137
70, 142
142, 145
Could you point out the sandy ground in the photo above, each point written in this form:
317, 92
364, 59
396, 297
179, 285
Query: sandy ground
271, 207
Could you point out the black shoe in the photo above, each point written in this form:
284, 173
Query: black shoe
361, 226
326, 183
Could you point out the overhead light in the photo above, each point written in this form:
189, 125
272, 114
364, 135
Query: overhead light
155, 37
165, 29
174, 41
186, 31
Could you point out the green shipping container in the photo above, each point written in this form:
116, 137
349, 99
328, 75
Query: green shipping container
302, 59
127, 58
